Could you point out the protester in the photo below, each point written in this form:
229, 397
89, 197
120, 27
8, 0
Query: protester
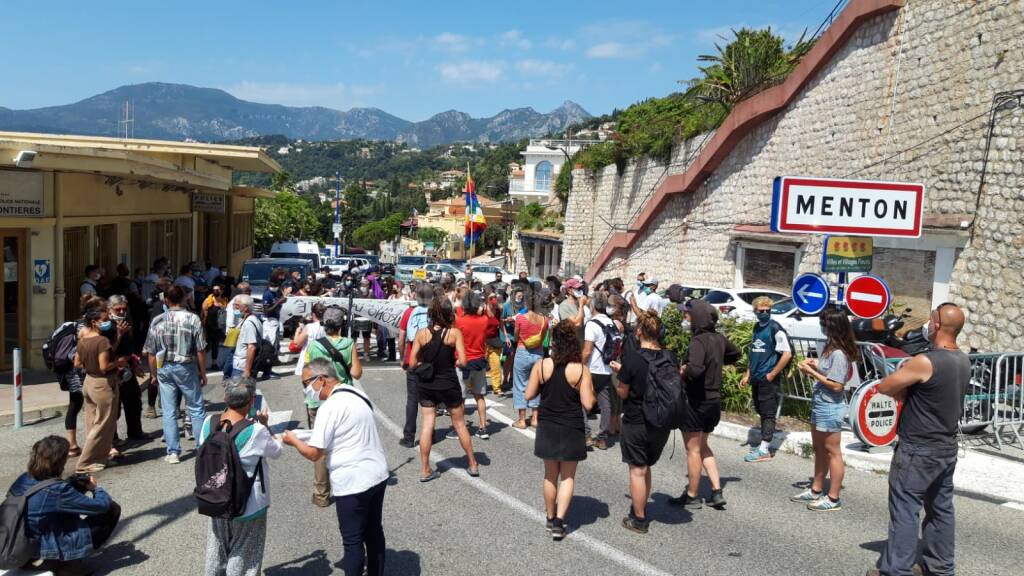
157, 272
232, 329
234, 547
340, 352
94, 355
647, 298
249, 340
573, 308
768, 356
176, 348
642, 444
566, 392
931, 386
273, 297
512, 307
413, 320
702, 376
436, 352
494, 344
530, 330
473, 322
60, 516
309, 331
122, 342
214, 316
498, 285
346, 433
93, 274
600, 333
156, 308
188, 283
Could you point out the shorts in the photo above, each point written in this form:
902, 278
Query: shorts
827, 416
703, 417
641, 444
475, 382
449, 397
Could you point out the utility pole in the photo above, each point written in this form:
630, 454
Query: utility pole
337, 211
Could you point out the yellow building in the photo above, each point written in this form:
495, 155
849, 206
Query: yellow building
70, 201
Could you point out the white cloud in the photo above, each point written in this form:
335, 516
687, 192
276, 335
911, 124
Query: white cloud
609, 50
545, 68
452, 42
564, 44
625, 39
472, 71
337, 95
514, 39
655, 68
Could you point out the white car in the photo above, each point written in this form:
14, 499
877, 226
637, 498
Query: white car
796, 323
437, 270
339, 266
738, 303
486, 274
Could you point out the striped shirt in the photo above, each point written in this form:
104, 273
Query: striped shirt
177, 333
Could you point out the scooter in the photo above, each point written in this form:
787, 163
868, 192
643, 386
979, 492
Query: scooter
882, 331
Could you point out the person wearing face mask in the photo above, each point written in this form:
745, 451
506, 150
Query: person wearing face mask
512, 308
363, 327
769, 354
214, 315
574, 308
95, 356
90, 285
346, 433
122, 341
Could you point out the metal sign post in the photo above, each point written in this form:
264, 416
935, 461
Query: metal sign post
18, 417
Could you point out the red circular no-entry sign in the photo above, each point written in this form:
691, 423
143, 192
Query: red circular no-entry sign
868, 296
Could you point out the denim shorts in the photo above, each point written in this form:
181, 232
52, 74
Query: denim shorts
827, 416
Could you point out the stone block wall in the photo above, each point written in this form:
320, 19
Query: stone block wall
907, 98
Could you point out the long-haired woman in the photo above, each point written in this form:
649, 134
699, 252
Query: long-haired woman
832, 372
565, 389
531, 328
441, 346
100, 388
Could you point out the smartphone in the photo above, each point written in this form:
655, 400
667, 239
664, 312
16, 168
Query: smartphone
258, 406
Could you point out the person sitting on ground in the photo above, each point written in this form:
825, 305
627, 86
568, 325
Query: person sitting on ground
67, 523
565, 388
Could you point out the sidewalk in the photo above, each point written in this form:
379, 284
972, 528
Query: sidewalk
39, 401
977, 474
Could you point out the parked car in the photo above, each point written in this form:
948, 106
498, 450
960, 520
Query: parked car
737, 303
689, 292
796, 323
485, 274
371, 259
436, 269
406, 266
458, 263
306, 250
340, 266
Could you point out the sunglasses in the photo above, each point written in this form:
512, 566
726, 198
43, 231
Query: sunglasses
309, 381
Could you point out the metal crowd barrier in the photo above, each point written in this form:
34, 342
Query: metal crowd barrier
1007, 403
872, 365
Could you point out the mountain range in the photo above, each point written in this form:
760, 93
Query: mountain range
180, 111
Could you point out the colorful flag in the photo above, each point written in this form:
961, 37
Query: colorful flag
475, 221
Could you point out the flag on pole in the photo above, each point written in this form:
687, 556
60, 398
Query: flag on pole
476, 224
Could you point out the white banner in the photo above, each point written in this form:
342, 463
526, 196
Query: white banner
387, 313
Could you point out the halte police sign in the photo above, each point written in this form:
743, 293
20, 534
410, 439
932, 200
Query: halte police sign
860, 207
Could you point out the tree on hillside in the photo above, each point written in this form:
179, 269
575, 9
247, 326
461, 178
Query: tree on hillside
371, 234
285, 216
435, 235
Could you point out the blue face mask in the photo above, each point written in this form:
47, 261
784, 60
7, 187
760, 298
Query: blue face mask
104, 326
238, 314
763, 317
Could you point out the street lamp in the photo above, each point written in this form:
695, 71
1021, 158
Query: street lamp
568, 159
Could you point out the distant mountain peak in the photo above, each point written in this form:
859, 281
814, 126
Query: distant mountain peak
178, 111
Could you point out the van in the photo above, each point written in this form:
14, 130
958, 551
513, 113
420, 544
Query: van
306, 250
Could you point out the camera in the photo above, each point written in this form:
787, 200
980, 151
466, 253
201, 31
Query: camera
80, 481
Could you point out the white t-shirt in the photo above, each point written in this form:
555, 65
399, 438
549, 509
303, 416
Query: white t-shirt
346, 431
255, 442
314, 332
249, 334
593, 333
654, 303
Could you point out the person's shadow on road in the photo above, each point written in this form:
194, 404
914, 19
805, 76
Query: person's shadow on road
586, 510
117, 556
314, 564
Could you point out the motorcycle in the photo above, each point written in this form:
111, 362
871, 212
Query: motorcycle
883, 332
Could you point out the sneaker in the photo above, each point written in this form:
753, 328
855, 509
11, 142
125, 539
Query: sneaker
825, 504
634, 525
601, 444
688, 502
550, 524
407, 443
806, 497
717, 499
558, 529
482, 434
451, 433
590, 443
758, 455
172, 458
150, 413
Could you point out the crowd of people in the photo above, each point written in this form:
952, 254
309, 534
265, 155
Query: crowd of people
564, 351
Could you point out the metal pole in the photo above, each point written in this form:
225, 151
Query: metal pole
18, 418
841, 290
337, 209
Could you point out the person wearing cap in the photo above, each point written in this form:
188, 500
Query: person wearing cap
648, 300
574, 308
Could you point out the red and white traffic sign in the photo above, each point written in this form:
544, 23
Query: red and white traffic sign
834, 206
868, 296
874, 416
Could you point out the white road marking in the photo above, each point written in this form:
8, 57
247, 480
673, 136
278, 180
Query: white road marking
601, 547
502, 418
1014, 505
865, 297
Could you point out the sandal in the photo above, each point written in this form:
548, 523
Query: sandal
474, 473
74, 452
432, 476
520, 426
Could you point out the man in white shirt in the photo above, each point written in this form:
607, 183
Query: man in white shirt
595, 334
249, 336
346, 432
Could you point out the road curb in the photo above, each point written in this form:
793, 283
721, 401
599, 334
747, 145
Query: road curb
35, 414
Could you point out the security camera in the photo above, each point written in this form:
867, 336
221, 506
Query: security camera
25, 158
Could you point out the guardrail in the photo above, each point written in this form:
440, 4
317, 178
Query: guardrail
993, 404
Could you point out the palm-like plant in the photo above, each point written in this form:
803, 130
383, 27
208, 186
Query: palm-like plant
752, 61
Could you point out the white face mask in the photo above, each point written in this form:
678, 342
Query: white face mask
312, 394
924, 330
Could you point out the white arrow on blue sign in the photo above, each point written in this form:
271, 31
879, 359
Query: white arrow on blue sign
810, 293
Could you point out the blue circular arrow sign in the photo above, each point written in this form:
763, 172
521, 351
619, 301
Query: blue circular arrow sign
810, 293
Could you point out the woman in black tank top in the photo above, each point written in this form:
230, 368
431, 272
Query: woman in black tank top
441, 347
565, 389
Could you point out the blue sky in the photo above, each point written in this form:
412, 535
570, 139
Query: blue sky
412, 59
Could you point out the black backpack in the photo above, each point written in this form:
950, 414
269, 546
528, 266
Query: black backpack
16, 547
612, 348
664, 399
265, 352
59, 348
222, 486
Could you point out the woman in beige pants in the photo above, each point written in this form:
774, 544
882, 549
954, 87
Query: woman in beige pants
100, 389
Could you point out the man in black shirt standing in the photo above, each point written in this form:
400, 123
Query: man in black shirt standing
932, 387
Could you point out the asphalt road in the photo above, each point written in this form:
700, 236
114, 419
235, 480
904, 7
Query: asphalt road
494, 524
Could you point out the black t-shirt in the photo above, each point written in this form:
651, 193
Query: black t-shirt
634, 374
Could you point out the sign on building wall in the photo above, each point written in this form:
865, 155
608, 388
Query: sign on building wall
21, 194
831, 206
208, 202
847, 254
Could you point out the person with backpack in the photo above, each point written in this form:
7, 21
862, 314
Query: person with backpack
769, 354
339, 350
231, 482
832, 372
531, 327
52, 524
59, 357
346, 433
702, 374
602, 344
647, 379
176, 348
